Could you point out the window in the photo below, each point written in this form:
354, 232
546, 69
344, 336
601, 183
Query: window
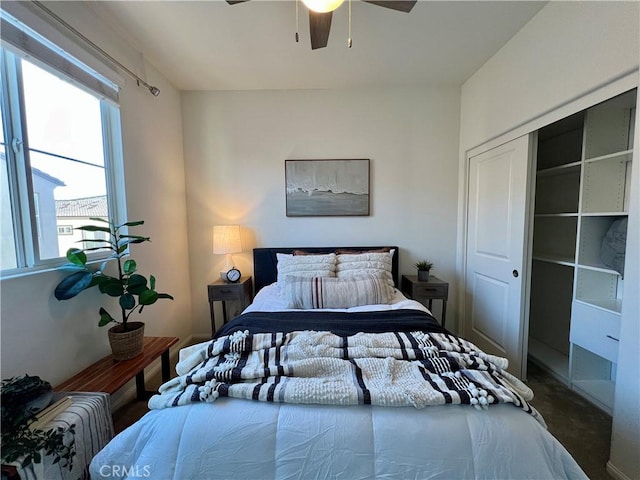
60, 158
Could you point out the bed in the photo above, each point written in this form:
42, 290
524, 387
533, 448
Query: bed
310, 382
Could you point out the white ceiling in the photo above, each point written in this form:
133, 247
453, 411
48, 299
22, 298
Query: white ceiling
210, 45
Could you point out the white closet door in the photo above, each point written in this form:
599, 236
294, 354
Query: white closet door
494, 309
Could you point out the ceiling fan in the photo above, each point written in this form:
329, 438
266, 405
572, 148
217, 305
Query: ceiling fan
320, 16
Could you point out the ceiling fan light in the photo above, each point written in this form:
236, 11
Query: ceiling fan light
322, 6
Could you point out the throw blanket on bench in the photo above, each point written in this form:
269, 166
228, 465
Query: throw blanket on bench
387, 369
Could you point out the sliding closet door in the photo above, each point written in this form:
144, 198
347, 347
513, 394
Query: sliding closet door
496, 234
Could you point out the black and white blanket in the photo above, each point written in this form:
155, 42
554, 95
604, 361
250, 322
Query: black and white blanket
389, 368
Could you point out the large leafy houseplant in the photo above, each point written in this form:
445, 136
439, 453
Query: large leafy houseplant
133, 290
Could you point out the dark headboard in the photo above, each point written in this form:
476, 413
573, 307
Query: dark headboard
265, 271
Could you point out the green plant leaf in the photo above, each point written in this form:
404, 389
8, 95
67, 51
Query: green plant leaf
152, 282
132, 224
136, 284
93, 240
94, 228
72, 285
165, 295
100, 277
138, 237
91, 249
111, 286
129, 266
76, 256
124, 241
140, 240
105, 318
70, 267
127, 301
148, 297
98, 219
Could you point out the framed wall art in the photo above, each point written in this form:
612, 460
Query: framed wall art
327, 187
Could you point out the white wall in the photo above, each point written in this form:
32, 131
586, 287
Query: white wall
236, 144
567, 51
54, 340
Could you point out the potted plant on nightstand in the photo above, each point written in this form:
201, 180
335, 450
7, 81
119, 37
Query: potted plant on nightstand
133, 290
424, 267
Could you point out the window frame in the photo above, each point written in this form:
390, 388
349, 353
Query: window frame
21, 191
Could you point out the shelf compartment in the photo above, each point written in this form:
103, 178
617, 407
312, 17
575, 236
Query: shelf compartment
551, 297
607, 126
592, 231
558, 190
555, 237
553, 361
593, 377
561, 142
556, 259
600, 289
606, 184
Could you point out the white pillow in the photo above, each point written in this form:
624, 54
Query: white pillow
332, 292
366, 263
306, 265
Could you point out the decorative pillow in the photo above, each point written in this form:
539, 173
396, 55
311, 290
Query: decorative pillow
355, 264
332, 292
306, 265
342, 251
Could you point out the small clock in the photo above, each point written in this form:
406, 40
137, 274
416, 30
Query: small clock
233, 275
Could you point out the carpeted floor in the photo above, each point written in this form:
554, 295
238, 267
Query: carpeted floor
582, 428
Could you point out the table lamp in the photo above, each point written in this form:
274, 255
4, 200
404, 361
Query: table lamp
226, 240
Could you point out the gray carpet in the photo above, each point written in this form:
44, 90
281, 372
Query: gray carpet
583, 429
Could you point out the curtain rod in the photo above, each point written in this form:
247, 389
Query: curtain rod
155, 91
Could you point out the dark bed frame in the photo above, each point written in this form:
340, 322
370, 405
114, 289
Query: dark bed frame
265, 262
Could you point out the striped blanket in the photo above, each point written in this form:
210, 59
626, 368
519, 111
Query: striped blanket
311, 367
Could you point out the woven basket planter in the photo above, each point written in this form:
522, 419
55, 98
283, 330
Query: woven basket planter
126, 344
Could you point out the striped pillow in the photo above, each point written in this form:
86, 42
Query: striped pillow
306, 265
331, 292
373, 263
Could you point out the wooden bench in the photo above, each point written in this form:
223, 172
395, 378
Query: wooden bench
109, 375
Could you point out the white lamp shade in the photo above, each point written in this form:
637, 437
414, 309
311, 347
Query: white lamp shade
226, 239
322, 6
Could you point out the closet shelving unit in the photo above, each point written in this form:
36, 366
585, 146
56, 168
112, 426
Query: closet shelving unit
582, 188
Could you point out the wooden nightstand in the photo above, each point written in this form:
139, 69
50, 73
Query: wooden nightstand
220, 291
434, 289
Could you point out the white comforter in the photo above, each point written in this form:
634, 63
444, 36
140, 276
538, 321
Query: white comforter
246, 439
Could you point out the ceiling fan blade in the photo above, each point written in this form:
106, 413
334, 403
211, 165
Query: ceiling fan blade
233, 2
399, 5
319, 27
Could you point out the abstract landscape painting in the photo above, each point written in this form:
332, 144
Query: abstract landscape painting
327, 187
